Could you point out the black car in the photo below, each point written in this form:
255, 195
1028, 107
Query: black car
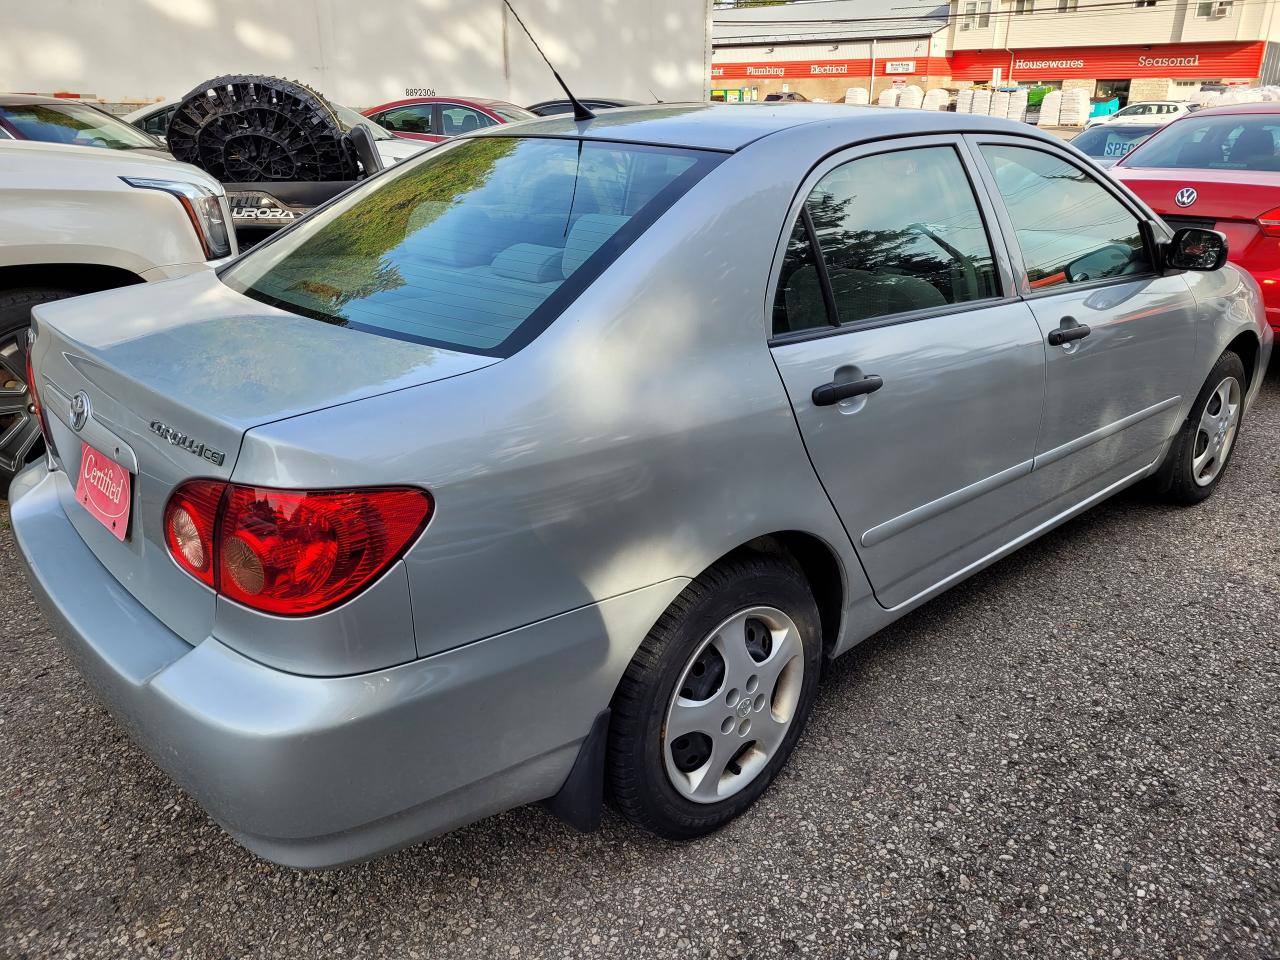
1106, 143
549, 108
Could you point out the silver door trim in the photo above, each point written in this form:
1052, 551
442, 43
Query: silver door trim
918, 515
1111, 429
1025, 538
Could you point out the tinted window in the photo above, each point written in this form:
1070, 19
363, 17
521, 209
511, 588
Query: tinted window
158, 123
552, 109
476, 246
411, 119
1069, 228
74, 123
1229, 142
1110, 140
799, 304
455, 120
899, 232
513, 114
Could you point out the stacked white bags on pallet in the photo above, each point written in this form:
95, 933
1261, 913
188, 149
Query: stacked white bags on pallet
911, 97
937, 99
889, 98
1017, 106
1051, 108
981, 102
999, 103
857, 96
1075, 108
964, 101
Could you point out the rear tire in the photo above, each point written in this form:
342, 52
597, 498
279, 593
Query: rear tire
20, 438
733, 719
1201, 452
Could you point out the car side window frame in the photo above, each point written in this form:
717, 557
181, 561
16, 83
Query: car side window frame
1023, 287
1000, 254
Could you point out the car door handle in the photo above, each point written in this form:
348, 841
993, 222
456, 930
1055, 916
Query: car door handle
829, 393
1067, 331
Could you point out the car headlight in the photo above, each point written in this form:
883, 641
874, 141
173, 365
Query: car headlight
204, 208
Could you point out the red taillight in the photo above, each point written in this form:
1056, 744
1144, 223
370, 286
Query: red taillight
190, 518
34, 392
1269, 223
291, 552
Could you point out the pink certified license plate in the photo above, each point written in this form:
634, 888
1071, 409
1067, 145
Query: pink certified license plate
103, 489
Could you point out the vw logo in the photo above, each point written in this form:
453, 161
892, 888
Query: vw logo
1185, 197
79, 410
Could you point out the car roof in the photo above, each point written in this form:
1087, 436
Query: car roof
26, 99
620, 101
730, 127
1257, 106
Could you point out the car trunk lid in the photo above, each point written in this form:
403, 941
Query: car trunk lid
172, 376
1242, 195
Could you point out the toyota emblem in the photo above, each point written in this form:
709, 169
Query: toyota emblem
1185, 197
79, 410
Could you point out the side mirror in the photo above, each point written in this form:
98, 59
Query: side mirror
1195, 249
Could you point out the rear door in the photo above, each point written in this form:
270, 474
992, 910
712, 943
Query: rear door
915, 374
1120, 339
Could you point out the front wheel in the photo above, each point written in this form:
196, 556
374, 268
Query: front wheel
1202, 449
714, 700
20, 440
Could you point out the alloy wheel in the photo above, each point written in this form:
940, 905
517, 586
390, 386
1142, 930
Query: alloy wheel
733, 705
1216, 432
19, 428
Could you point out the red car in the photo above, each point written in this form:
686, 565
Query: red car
439, 118
1219, 168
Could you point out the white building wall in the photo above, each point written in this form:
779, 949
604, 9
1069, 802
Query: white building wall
359, 54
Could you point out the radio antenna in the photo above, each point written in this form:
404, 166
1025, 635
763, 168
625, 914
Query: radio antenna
580, 112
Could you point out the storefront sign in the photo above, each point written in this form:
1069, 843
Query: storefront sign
801, 69
1200, 61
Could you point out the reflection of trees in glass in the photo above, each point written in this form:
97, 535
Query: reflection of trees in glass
346, 259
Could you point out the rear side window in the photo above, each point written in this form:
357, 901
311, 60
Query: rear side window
898, 232
455, 120
1069, 227
476, 246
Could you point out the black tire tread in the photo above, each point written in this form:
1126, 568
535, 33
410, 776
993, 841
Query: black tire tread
1181, 488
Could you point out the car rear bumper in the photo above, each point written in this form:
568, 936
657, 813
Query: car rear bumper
321, 771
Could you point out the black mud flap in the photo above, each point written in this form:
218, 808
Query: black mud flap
580, 801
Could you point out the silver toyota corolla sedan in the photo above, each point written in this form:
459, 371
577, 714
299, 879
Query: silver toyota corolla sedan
554, 464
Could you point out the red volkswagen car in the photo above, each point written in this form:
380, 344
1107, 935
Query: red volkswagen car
1219, 168
439, 118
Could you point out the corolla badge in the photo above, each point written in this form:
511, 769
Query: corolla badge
1185, 197
79, 410
188, 443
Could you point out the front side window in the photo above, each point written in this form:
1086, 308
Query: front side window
1227, 142
455, 120
158, 123
1069, 227
898, 232
415, 118
473, 247
74, 123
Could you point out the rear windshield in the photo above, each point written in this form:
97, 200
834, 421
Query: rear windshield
1224, 142
475, 246
1110, 140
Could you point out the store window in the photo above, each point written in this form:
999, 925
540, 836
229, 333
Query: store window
897, 232
1069, 227
1214, 9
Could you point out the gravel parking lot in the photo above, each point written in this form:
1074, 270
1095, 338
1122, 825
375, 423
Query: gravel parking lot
1074, 754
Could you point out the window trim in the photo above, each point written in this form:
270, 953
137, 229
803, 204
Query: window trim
1000, 254
1025, 291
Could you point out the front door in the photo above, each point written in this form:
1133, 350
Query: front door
1120, 340
915, 375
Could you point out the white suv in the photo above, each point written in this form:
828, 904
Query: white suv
76, 221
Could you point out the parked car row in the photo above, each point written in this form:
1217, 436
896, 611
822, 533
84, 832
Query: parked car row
555, 461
